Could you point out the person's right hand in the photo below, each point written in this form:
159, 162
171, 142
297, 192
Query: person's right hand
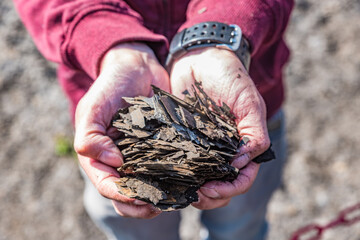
127, 70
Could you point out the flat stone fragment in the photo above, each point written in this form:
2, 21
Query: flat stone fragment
137, 118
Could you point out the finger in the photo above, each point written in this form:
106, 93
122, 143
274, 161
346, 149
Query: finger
241, 160
206, 203
256, 143
104, 178
146, 211
113, 133
221, 190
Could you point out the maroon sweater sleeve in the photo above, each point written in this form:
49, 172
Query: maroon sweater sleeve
262, 21
77, 33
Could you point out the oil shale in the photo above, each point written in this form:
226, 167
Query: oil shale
171, 147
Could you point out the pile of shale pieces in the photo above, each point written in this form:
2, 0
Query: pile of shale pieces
171, 147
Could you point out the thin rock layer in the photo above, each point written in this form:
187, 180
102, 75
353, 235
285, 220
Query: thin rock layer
171, 147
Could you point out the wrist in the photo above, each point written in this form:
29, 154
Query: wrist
129, 52
212, 59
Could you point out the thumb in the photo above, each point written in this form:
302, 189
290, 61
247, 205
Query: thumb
91, 139
98, 146
255, 135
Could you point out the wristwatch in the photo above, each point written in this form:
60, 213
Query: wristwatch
209, 34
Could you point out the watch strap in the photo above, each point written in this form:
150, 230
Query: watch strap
209, 34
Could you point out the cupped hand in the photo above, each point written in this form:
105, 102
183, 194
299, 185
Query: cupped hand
127, 70
225, 79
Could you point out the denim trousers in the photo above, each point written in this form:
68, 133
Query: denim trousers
244, 218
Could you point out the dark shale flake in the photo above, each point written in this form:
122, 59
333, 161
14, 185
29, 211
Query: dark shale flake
137, 118
173, 146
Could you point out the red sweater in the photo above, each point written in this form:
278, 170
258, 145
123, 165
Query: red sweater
77, 33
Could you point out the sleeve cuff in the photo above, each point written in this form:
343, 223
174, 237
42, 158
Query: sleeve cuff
96, 33
254, 18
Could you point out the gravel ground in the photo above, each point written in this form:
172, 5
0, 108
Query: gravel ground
41, 188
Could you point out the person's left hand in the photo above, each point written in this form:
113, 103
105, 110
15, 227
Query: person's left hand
225, 79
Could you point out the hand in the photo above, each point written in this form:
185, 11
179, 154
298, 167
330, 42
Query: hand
126, 70
225, 79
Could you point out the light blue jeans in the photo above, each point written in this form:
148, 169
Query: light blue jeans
243, 219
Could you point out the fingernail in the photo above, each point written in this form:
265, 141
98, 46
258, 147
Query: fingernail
111, 158
155, 210
241, 161
139, 202
210, 192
